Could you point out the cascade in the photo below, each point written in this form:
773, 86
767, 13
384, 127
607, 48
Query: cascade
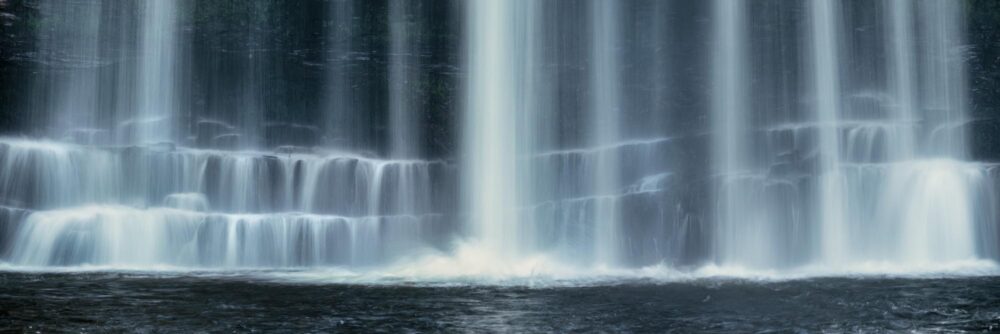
824, 16
490, 126
250, 103
902, 75
604, 125
102, 97
158, 97
743, 232
176, 193
402, 116
491, 137
405, 138
338, 100
67, 100
943, 79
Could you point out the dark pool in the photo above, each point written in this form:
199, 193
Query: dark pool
101, 302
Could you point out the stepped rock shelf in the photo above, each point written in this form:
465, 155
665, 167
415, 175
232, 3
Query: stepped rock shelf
157, 205
161, 206
490, 137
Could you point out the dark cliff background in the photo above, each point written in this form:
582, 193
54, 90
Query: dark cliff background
289, 40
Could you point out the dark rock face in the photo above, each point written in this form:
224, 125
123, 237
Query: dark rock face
260, 77
207, 132
290, 134
10, 218
291, 49
985, 139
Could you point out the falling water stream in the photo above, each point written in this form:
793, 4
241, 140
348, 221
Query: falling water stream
579, 138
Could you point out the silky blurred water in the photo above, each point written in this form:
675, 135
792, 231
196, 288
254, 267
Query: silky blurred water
145, 302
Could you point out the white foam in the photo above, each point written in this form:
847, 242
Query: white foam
474, 267
470, 265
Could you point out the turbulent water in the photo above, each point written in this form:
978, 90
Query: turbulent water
157, 302
552, 138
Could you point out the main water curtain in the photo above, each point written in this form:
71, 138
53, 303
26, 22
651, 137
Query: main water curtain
758, 134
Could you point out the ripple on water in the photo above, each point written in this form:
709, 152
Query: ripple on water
135, 301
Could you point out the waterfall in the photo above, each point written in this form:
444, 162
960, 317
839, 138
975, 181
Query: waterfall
490, 126
69, 100
177, 194
339, 120
156, 112
824, 16
902, 75
743, 235
499, 137
943, 79
887, 209
937, 190
103, 97
604, 125
250, 104
405, 142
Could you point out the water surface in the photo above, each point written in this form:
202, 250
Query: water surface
109, 301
